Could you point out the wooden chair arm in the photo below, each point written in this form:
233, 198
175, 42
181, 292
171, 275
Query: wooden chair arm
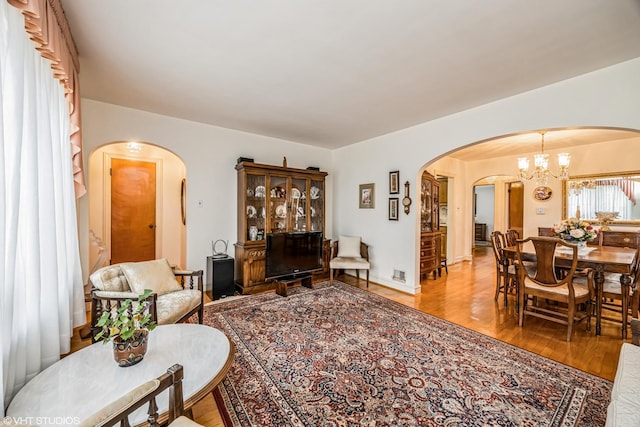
192, 278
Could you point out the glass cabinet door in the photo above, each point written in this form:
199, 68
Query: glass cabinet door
256, 207
277, 210
298, 204
426, 210
316, 206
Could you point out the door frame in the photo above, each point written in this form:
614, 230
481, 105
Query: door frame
106, 232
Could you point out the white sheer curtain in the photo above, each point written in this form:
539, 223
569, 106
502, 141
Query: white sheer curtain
41, 295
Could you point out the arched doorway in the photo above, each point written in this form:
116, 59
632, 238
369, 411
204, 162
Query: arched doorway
122, 176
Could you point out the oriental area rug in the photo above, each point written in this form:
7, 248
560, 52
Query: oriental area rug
340, 356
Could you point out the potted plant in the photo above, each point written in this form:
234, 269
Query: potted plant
128, 326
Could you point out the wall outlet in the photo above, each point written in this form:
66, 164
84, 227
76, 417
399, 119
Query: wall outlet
539, 211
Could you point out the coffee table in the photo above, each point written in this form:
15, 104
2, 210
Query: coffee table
82, 383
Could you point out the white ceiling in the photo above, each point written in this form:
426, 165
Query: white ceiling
335, 72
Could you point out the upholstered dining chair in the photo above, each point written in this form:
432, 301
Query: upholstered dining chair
119, 411
511, 236
614, 306
349, 253
503, 284
543, 285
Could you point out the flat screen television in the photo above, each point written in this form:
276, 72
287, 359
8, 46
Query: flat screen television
293, 254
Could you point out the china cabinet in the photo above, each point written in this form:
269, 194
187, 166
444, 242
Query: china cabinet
430, 235
274, 199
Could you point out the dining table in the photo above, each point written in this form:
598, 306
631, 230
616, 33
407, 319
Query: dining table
602, 259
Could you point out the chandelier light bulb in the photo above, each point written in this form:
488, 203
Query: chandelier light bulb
541, 161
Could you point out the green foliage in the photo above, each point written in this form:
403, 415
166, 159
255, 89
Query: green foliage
126, 320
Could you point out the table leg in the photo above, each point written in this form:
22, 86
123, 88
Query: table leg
625, 282
517, 284
598, 278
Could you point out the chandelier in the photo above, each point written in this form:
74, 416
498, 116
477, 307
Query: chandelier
576, 186
541, 172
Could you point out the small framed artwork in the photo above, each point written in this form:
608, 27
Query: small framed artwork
367, 196
542, 193
394, 179
393, 208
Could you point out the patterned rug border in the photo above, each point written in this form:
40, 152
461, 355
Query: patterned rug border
454, 333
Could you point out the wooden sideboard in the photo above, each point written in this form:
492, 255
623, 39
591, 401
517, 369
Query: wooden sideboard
480, 232
430, 253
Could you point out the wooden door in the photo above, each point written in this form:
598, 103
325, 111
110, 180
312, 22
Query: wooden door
133, 210
516, 207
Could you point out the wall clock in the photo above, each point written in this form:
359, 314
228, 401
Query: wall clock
406, 200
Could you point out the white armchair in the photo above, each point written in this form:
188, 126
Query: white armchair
349, 253
177, 295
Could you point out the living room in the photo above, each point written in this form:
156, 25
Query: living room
604, 95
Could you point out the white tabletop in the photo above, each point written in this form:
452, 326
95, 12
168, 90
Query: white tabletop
84, 382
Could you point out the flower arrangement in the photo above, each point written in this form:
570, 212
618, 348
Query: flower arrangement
127, 320
573, 230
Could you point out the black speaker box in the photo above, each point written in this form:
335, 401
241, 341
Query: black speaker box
220, 277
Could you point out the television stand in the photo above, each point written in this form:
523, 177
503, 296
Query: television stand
282, 283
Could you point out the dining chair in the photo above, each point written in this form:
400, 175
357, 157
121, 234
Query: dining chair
614, 306
511, 236
117, 413
544, 286
502, 262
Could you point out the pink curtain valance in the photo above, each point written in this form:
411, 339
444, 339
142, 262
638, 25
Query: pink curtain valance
47, 26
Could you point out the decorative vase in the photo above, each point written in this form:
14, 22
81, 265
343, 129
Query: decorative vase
131, 351
253, 232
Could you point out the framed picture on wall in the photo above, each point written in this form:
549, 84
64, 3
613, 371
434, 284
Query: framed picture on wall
394, 180
542, 192
393, 208
367, 196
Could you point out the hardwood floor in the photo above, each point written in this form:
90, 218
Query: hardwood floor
465, 297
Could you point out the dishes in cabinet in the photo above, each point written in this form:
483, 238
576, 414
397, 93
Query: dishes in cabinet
315, 192
281, 211
249, 192
313, 211
260, 191
280, 226
295, 193
278, 192
300, 211
251, 211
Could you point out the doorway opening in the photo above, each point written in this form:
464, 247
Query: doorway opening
136, 204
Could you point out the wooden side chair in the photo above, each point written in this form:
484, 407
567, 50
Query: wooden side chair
511, 236
505, 270
543, 284
615, 304
349, 253
119, 411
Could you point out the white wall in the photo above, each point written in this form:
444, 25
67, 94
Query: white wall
485, 207
607, 97
209, 154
